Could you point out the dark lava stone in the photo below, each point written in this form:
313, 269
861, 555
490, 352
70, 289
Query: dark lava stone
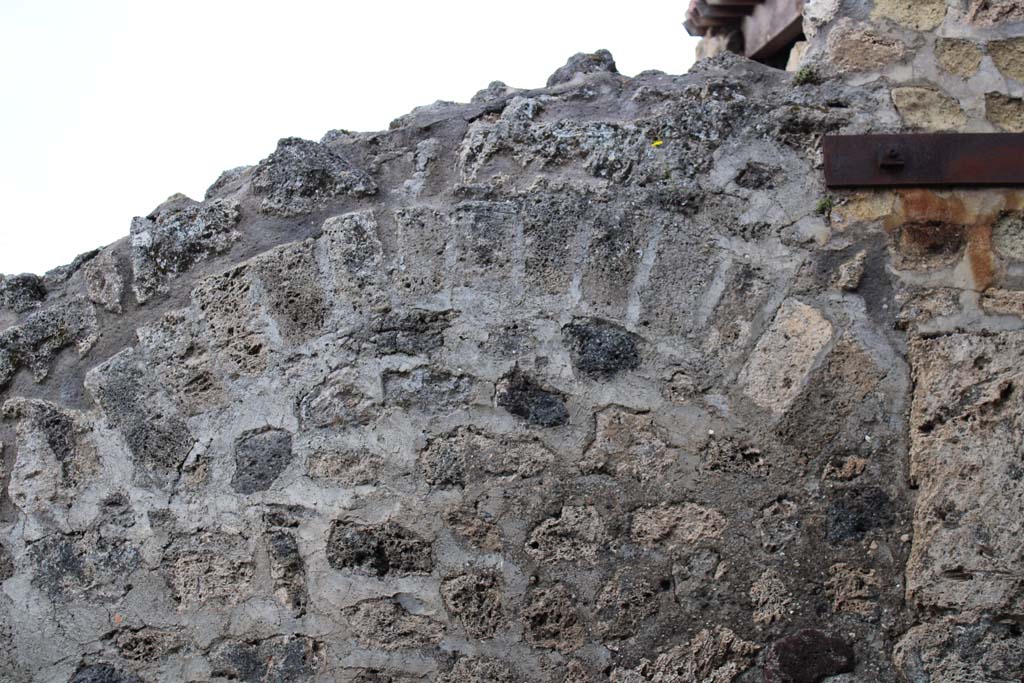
755, 176
21, 292
854, 512
102, 673
6, 564
380, 549
524, 398
260, 457
807, 657
583, 63
600, 348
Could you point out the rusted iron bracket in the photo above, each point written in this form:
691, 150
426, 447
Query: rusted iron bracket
942, 159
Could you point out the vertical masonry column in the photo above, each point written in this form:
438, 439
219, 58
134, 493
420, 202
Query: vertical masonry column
958, 259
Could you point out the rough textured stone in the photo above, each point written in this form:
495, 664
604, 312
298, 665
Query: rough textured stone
601, 349
553, 619
260, 457
853, 47
807, 657
21, 293
717, 655
985, 650
994, 12
102, 673
275, 660
966, 411
595, 382
583, 63
381, 550
1005, 112
428, 389
785, 355
384, 624
35, 343
301, 175
928, 109
177, 235
523, 397
104, 282
957, 56
475, 601
920, 15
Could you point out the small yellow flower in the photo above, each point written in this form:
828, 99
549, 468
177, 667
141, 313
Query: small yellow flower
657, 143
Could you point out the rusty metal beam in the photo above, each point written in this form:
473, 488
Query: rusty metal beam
942, 159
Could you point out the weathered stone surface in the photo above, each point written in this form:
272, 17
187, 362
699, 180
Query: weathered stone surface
583, 63
291, 658
582, 384
928, 109
102, 673
629, 445
384, 624
994, 12
853, 47
785, 355
209, 570
177, 235
468, 454
855, 512
1008, 56
717, 655
1006, 112
526, 399
807, 657
260, 458
104, 283
986, 650
964, 458
412, 333
21, 293
157, 437
676, 525
575, 534
552, 618
920, 15
957, 56
601, 349
475, 601
35, 343
428, 389
378, 549
301, 175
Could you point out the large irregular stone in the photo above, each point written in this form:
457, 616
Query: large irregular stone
35, 343
986, 650
807, 656
717, 656
920, 15
301, 175
601, 349
928, 109
177, 235
526, 399
784, 356
582, 63
379, 550
965, 423
21, 293
260, 458
133, 402
290, 658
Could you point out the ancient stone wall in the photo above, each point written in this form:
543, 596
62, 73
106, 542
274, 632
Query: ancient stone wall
595, 382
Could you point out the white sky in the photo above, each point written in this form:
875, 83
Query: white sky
107, 107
